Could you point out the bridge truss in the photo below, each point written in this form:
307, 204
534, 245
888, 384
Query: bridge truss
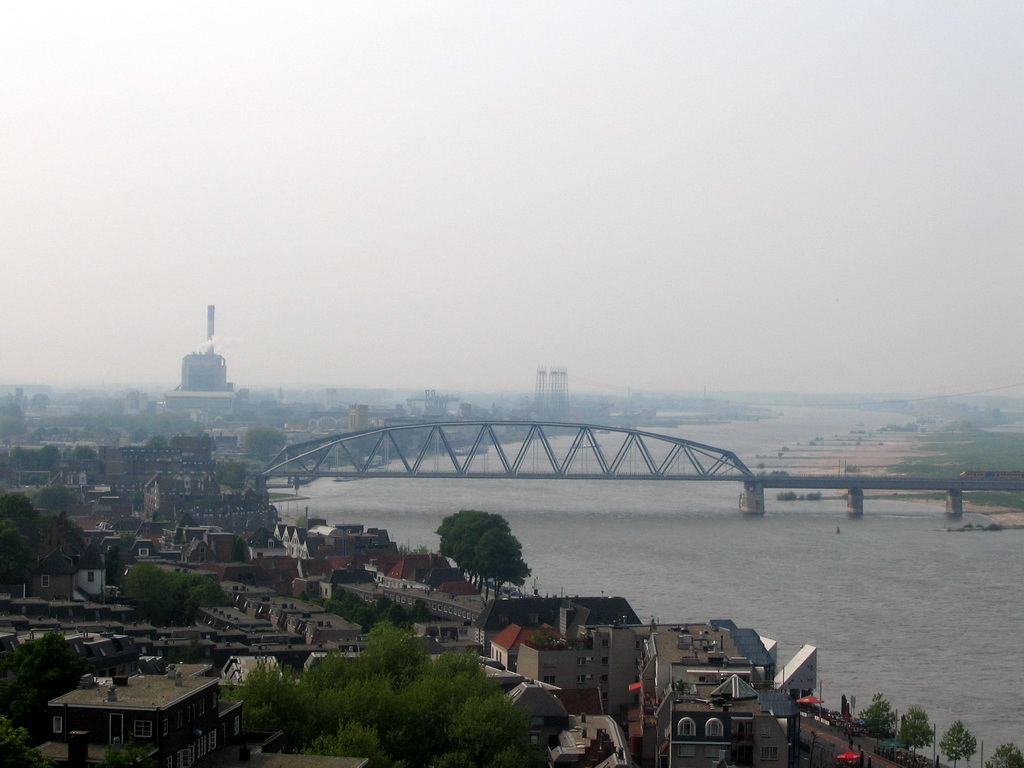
505, 449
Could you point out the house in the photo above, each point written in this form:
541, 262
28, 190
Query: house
731, 722
180, 715
54, 577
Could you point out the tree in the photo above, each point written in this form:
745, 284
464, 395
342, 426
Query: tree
1006, 756
879, 716
393, 704
15, 749
915, 729
14, 506
42, 669
263, 442
499, 558
15, 554
131, 755
171, 599
238, 550
482, 545
54, 498
84, 453
958, 743
232, 474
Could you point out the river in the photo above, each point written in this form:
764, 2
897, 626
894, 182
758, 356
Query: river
893, 603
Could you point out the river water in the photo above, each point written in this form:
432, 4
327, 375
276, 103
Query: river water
893, 603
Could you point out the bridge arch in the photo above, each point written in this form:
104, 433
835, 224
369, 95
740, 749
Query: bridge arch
521, 449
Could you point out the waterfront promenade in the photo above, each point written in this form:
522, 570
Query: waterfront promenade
821, 742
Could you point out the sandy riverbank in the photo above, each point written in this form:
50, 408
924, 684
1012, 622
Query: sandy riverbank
874, 455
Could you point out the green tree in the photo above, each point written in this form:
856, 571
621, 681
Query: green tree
958, 743
238, 550
879, 716
171, 599
15, 554
84, 453
499, 556
54, 498
482, 545
1006, 756
131, 755
915, 729
394, 705
263, 442
232, 474
15, 749
15, 506
42, 669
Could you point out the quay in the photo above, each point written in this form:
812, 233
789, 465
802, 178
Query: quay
821, 742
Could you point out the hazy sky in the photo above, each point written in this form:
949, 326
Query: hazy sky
747, 196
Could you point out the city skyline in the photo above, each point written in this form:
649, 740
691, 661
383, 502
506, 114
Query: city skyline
796, 197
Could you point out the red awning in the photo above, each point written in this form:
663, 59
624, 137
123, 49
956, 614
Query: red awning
636, 686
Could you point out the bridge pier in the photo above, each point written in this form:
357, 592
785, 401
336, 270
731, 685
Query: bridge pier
855, 502
752, 499
954, 502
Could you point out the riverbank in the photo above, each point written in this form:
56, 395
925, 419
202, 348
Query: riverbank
882, 453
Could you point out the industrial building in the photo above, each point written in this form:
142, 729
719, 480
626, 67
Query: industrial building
204, 387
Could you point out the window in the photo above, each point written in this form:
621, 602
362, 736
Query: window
44, 580
604, 642
167, 726
581, 660
712, 750
713, 727
686, 750
143, 551
580, 679
91, 576
686, 727
604, 660
58, 725
170, 762
549, 679
765, 732
144, 729
238, 724
769, 753
213, 739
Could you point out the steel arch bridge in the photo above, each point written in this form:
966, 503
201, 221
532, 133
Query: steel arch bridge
490, 449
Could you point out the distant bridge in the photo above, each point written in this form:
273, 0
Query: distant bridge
505, 449
545, 450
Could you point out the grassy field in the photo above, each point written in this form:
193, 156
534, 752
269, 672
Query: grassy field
950, 453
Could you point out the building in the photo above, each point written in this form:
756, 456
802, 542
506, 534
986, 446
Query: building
204, 379
730, 722
179, 714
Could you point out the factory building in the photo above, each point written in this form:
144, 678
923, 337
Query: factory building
204, 387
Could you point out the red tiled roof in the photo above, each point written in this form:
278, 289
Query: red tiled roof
580, 701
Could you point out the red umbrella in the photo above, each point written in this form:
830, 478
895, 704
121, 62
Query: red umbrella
812, 699
848, 755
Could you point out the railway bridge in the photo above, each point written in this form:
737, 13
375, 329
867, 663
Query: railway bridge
544, 450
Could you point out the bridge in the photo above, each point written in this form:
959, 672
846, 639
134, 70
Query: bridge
534, 450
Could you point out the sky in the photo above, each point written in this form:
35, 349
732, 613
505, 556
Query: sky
801, 196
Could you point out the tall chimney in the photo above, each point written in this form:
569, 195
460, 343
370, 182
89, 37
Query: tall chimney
209, 322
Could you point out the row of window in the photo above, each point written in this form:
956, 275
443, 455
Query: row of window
712, 728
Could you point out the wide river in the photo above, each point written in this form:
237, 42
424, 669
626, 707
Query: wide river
893, 603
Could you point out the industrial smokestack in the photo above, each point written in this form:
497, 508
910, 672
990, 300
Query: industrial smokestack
209, 326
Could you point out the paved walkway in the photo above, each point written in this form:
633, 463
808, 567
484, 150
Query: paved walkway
831, 741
